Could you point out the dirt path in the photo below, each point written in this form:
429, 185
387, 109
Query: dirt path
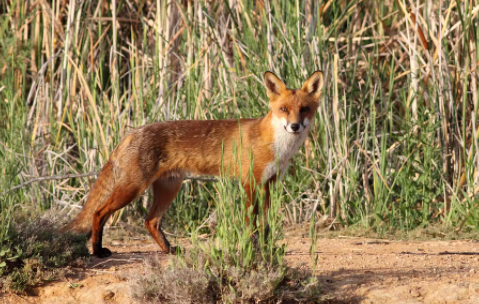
352, 270
358, 270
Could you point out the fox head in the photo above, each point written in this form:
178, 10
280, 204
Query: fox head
293, 109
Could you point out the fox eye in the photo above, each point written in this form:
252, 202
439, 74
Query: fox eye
304, 109
283, 109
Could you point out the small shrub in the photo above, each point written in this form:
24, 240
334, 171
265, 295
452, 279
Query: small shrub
184, 283
174, 285
33, 250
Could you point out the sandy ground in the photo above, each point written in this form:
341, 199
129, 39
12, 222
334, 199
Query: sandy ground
358, 270
351, 270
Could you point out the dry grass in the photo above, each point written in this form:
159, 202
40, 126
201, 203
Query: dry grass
203, 282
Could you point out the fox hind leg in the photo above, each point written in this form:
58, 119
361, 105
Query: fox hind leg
120, 197
164, 192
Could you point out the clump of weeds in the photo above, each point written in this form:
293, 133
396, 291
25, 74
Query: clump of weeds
33, 251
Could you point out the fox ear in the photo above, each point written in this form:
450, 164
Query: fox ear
313, 85
274, 86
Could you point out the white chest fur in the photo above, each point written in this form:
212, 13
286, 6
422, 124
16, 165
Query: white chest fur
285, 146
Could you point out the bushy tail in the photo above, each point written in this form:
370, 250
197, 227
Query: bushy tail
102, 189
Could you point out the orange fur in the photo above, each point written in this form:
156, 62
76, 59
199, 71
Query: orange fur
160, 154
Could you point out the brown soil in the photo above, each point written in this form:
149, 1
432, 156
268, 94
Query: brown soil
351, 270
360, 270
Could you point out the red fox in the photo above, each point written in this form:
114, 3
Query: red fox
161, 154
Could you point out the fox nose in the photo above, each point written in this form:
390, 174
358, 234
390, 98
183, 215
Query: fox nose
295, 127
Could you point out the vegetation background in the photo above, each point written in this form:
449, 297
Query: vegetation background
395, 141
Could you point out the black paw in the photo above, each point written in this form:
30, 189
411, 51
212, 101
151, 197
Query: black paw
175, 250
102, 253
266, 234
